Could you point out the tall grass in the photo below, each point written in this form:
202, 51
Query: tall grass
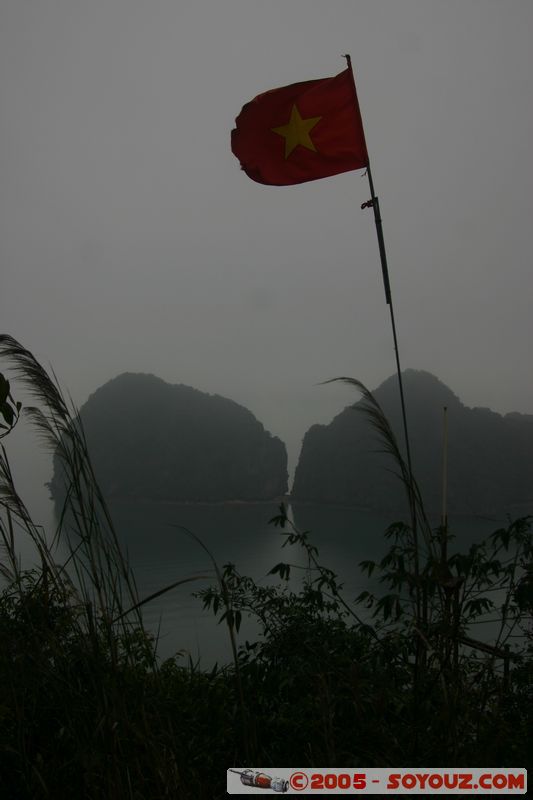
79, 671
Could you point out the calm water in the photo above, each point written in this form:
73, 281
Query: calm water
160, 553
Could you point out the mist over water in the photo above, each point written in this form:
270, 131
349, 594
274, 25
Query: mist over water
160, 552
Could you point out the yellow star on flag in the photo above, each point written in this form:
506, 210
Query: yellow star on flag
297, 132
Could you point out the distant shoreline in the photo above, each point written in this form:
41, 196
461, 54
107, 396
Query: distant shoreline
497, 515
196, 503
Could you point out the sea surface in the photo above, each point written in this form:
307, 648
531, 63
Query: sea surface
160, 552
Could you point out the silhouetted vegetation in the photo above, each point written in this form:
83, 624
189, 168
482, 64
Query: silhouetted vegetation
151, 440
490, 456
87, 711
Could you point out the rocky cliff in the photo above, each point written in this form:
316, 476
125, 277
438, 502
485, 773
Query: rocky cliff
152, 440
490, 457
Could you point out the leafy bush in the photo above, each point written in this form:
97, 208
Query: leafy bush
329, 688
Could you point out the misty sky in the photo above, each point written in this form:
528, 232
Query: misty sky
131, 240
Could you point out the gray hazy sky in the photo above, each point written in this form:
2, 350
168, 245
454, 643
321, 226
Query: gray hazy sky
131, 240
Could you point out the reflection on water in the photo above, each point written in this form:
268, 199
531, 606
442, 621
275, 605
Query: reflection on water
160, 553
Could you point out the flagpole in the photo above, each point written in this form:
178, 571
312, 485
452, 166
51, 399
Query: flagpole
388, 298
374, 203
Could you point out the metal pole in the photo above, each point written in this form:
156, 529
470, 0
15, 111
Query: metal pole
388, 298
374, 202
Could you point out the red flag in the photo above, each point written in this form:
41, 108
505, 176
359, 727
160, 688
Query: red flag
301, 132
